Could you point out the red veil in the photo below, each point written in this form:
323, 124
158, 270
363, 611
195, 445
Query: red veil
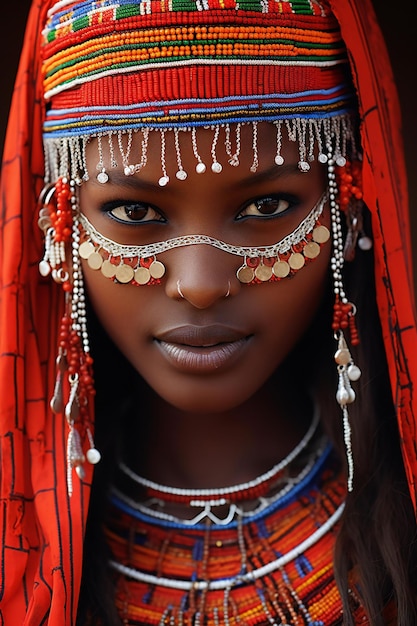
41, 527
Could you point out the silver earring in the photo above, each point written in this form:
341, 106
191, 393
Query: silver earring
343, 318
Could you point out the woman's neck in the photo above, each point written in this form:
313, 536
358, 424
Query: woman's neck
201, 450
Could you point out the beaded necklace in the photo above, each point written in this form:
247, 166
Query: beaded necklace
256, 488
269, 565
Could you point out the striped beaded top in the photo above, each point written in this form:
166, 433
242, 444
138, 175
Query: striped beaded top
271, 567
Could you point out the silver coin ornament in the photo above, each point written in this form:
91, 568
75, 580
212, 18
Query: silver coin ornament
122, 272
288, 265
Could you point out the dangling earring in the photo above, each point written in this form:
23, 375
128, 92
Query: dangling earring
349, 180
74, 386
343, 317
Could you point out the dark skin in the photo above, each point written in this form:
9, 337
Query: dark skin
211, 420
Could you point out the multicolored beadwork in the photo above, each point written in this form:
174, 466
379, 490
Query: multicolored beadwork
116, 67
228, 32
272, 567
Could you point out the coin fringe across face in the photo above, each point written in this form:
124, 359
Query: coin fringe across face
126, 272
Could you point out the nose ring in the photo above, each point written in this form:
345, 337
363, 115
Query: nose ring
226, 295
179, 290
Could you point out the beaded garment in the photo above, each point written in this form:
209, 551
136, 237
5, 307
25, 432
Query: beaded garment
272, 565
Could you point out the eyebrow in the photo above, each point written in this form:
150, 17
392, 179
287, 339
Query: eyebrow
272, 173
119, 178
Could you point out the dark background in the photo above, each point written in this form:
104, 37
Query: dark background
398, 24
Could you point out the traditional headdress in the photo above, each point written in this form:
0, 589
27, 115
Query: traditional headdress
111, 69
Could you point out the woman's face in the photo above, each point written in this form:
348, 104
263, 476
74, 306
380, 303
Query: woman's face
201, 339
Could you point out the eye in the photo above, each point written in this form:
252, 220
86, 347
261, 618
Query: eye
133, 213
266, 207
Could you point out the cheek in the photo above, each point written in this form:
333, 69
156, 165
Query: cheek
117, 307
286, 309
277, 314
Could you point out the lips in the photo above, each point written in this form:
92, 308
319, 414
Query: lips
202, 349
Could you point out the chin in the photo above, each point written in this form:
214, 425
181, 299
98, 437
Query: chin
204, 398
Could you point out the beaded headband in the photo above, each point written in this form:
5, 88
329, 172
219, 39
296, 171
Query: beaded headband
112, 69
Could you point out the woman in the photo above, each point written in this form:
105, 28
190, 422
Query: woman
203, 176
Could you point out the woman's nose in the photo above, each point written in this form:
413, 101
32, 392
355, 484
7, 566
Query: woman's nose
201, 274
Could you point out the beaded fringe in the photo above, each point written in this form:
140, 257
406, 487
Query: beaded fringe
66, 156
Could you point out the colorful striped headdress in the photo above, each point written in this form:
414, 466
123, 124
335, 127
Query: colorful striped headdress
113, 68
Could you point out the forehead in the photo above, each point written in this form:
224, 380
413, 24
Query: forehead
247, 149
237, 181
